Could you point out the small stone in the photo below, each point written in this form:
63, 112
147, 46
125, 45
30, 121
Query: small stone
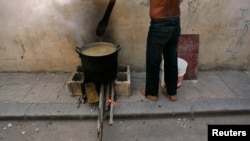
37, 130
9, 124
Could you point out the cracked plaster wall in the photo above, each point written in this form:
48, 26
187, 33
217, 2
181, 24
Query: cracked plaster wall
42, 35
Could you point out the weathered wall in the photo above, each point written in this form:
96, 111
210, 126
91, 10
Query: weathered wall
41, 35
224, 28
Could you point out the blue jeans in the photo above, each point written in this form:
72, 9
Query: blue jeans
162, 40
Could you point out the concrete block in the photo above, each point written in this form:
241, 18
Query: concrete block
75, 83
123, 81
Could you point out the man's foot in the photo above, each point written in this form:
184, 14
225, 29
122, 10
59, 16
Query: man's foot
154, 98
151, 97
170, 97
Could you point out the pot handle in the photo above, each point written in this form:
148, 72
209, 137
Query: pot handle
78, 50
118, 47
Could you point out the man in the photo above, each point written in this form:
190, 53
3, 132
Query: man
162, 40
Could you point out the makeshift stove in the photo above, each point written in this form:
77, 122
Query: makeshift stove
99, 66
100, 94
95, 93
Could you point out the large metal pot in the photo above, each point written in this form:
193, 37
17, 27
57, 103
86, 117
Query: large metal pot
99, 66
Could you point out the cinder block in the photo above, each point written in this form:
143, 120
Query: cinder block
74, 83
123, 82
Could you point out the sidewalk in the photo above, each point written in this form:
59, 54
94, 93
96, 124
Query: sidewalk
46, 96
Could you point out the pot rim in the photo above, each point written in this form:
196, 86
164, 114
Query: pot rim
89, 45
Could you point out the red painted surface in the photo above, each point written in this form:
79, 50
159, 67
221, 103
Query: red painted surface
188, 50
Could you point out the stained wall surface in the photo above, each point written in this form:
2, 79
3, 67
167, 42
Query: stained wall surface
41, 35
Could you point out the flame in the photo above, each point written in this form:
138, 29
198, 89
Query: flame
110, 101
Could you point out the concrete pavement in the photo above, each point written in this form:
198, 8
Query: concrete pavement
46, 96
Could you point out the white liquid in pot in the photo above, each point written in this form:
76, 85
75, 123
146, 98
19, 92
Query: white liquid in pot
100, 50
